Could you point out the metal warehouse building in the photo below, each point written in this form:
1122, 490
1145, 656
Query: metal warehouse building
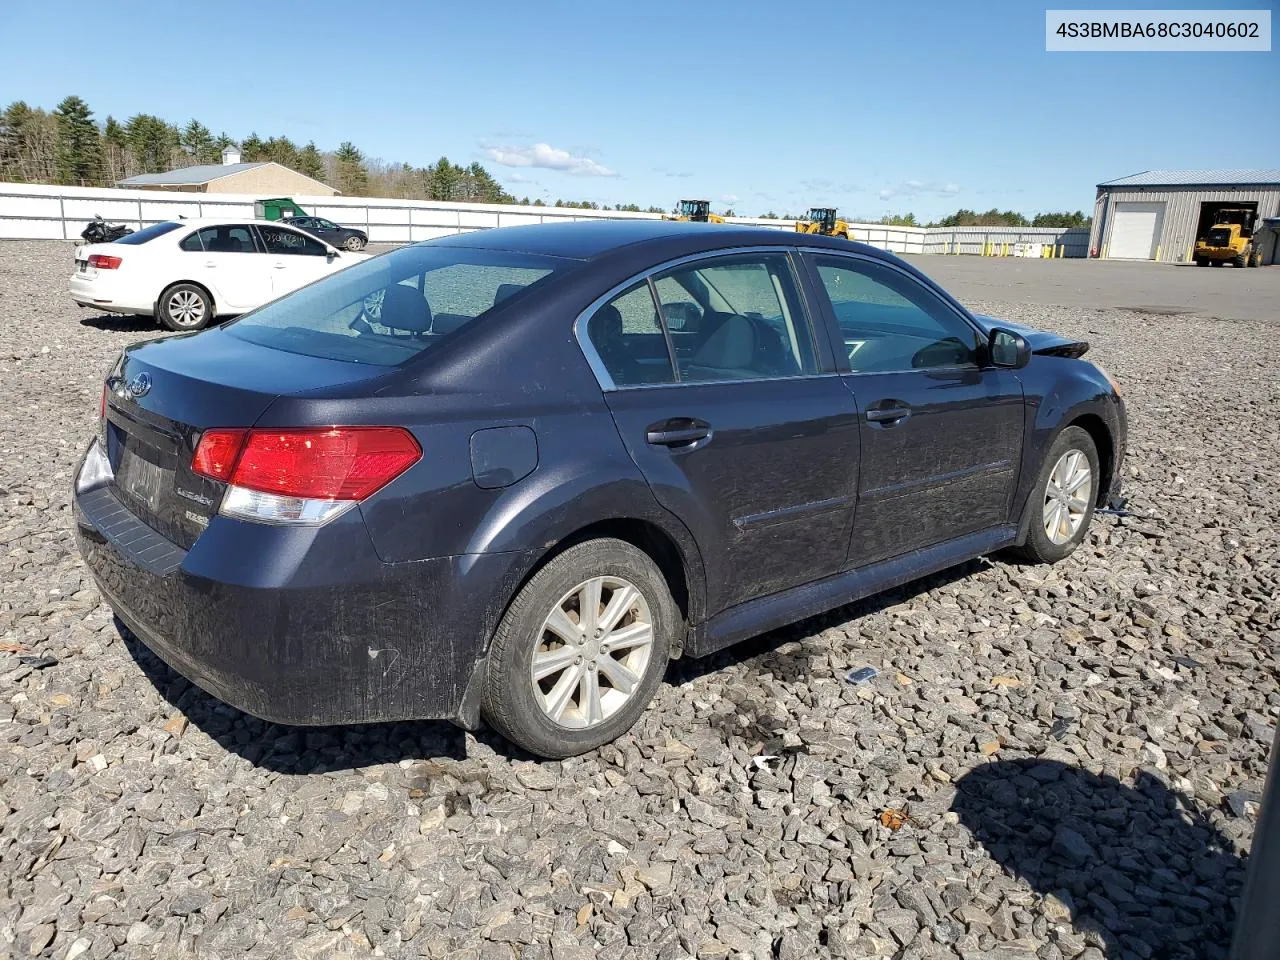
1159, 214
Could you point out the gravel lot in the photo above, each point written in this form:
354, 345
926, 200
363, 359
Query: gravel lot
1076, 749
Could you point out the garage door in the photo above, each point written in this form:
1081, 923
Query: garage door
1134, 228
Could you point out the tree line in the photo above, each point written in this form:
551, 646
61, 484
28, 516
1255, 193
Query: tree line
68, 146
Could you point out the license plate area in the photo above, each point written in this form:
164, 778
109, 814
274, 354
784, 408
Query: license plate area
82, 266
142, 481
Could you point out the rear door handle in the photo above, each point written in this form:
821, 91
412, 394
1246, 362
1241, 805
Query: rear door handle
889, 415
678, 432
210, 263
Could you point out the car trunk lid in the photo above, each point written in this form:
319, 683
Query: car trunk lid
165, 394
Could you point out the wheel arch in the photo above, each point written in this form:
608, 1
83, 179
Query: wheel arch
1104, 443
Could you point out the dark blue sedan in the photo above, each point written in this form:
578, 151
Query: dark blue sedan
510, 474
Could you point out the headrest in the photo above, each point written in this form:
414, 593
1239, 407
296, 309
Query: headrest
405, 308
506, 290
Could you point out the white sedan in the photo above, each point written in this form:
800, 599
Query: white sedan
187, 272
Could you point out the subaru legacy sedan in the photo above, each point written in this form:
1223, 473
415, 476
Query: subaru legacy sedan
510, 474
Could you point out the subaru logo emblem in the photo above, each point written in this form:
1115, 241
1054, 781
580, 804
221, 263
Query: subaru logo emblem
139, 386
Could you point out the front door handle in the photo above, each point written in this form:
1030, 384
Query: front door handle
889, 415
210, 263
678, 432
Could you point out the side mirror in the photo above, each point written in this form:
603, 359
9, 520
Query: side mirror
1008, 349
331, 255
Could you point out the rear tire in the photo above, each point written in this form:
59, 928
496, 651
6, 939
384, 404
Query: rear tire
354, 244
1060, 507
557, 697
185, 307
1201, 262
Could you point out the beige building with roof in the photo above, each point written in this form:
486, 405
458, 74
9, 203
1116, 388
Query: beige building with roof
232, 176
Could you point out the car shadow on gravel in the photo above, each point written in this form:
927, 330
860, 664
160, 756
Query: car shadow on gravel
118, 324
1140, 871
305, 750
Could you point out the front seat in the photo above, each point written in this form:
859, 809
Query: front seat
730, 351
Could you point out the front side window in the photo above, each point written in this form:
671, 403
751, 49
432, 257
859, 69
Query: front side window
891, 322
629, 341
221, 239
736, 318
281, 240
390, 309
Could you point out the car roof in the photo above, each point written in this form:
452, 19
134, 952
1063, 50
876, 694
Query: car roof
219, 221
589, 239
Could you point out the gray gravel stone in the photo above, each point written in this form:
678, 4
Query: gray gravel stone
1126, 699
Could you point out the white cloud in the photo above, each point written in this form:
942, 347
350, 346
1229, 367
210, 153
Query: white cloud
915, 188
729, 198
518, 178
547, 157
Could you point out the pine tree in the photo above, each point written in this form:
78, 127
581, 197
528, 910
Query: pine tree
252, 149
152, 142
353, 175
310, 162
79, 148
198, 144
116, 160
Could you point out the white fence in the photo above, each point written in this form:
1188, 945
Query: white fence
41, 212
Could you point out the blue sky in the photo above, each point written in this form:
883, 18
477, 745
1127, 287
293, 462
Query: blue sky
872, 107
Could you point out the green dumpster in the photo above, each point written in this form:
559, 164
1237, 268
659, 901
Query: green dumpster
277, 208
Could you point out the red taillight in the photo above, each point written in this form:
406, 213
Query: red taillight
216, 453
103, 262
327, 463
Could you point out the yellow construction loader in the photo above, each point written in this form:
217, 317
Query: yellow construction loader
697, 211
823, 220
1229, 240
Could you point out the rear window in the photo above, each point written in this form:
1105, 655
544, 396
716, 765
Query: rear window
392, 308
149, 233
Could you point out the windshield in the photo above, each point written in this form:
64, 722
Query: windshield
392, 308
149, 233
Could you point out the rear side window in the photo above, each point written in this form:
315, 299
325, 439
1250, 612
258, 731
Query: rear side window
149, 233
392, 308
221, 239
280, 240
629, 341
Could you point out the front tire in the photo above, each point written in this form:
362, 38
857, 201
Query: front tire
1060, 508
184, 307
581, 650
354, 244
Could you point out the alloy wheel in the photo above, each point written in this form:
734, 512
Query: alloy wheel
592, 652
1067, 496
186, 308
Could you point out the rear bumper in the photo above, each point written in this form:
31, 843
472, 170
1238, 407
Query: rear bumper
300, 625
104, 293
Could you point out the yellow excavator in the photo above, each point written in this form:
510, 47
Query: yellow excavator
823, 220
697, 211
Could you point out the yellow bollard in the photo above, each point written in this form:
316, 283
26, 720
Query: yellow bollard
1157, 253
1104, 251
1189, 252
1061, 248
